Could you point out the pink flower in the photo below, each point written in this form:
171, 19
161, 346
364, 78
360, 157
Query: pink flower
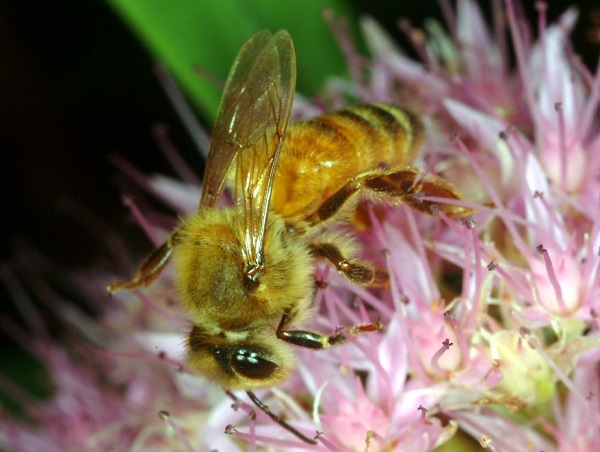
537, 163
491, 323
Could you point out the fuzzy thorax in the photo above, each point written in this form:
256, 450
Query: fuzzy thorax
209, 273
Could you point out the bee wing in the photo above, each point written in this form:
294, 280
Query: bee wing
258, 96
250, 128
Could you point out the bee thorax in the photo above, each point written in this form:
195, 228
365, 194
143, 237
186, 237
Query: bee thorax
212, 279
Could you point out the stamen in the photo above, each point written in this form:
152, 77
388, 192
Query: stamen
478, 170
499, 21
435, 209
477, 287
542, 8
183, 110
252, 443
552, 275
22, 301
515, 143
316, 417
159, 310
98, 228
141, 219
449, 18
494, 369
395, 288
520, 53
146, 357
417, 38
370, 434
451, 318
494, 196
328, 444
519, 284
166, 416
486, 442
354, 61
161, 135
562, 137
446, 344
595, 279
419, 244
588, 116
533, 343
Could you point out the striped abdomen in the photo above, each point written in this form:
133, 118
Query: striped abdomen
322, 154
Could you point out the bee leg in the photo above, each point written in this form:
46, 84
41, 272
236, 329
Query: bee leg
308, 339
311, 339
407, 185
152, 266
356, 271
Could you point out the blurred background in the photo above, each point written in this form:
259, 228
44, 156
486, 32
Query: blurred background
77, 86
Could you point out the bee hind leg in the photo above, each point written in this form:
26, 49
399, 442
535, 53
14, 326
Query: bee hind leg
406, 185
150, 269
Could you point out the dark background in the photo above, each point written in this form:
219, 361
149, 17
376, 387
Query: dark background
75, 88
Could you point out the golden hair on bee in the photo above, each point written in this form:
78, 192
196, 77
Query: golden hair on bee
245, 273
209, 256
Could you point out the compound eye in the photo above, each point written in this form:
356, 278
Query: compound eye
251, 364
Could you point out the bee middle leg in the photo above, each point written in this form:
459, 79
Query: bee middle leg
358, 272
314, 340
406, 185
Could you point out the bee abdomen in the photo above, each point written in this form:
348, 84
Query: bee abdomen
322, 154
377, 131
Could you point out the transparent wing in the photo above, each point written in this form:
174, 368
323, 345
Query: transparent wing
225, 141
249, 129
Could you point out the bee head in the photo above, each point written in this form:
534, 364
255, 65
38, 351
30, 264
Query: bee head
238, 364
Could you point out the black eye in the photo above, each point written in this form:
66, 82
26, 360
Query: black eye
249, 363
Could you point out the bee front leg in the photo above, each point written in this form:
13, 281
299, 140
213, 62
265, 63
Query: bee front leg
150, 269
311, 339
358, 272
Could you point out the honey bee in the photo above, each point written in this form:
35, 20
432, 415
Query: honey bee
245, 273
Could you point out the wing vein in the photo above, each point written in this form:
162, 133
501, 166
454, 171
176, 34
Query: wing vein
250, 130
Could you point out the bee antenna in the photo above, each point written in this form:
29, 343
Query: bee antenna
265, 409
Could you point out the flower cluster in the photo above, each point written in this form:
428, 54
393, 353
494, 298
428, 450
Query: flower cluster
491, 323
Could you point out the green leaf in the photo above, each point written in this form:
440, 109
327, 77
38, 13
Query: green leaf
200, 36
